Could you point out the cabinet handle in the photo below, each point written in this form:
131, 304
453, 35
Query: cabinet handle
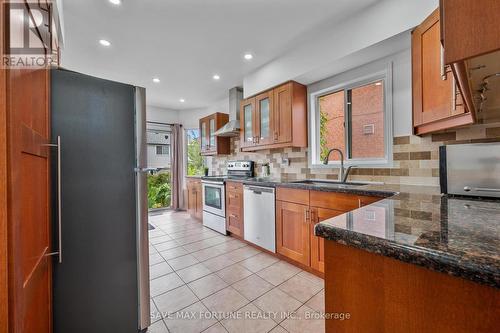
306, 215
233, 216
275, 136
313, 219
453, 94
360, 204
443, 67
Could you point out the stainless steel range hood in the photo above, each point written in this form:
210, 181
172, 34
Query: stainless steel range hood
232, 128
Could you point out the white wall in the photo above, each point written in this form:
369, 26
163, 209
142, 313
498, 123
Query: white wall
162, 115
340, 40
190, 118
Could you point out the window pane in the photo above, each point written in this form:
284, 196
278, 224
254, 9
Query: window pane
367, 121
332, 130
248, 122
212, 131
264, 118
194, 158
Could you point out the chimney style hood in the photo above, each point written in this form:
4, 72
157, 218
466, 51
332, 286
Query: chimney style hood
232, 128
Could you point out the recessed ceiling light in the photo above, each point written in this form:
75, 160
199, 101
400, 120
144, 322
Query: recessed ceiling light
182, 100
156, 80
116, 2
216, 77
248, 56
104, 42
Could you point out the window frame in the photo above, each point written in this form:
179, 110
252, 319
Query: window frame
384, 75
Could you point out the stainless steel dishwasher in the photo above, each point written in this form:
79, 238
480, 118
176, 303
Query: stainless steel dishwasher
259, 216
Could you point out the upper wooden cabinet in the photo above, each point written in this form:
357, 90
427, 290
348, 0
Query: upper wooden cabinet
470, 28
211, 144
437, 102
276, 118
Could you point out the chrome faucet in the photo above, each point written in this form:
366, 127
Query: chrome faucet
344, 173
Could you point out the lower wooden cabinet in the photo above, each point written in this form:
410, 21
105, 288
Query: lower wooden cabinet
298, 211
194, 198
293, 231
234, 208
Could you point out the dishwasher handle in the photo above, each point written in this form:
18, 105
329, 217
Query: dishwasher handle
259, 190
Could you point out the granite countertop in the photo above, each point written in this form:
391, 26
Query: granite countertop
418, 225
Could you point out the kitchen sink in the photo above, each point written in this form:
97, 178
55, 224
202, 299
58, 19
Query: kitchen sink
328, 183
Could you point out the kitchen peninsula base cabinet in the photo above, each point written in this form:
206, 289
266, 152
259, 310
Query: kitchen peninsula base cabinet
194, 198
298, 211
382, 294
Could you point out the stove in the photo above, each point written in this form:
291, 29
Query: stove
214, 193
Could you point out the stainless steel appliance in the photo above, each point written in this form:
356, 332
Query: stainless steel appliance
259, 216
470, 169
102, 283
214, 194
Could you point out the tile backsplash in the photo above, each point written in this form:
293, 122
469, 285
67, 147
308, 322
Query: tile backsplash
416, 159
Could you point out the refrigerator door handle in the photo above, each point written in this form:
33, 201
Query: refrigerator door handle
59, 198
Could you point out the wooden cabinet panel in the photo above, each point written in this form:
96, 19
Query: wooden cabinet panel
293, 195
194, 198
470, 28
276, 118
436, 98
211, 144
293, 231
318, 243
234, 208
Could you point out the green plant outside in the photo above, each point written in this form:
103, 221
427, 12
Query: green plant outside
194, 159
323, 121
159, 191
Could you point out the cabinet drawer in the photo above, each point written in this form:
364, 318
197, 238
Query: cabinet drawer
234, 199
340, 201
234, 187
292, 195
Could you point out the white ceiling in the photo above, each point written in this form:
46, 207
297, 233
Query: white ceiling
185, 42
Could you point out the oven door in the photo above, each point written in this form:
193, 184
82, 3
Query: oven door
214, 199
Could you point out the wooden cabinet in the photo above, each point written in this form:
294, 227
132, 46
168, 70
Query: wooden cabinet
211, 144
194, 198
437, 102
293, 225
298, 211
469, 28
234, 208
276, 118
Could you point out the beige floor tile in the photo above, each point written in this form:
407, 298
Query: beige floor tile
313, 278
158, 327
196, 246
302, 324
278, 329
317, 303
244, 253
173, 253
166, 245
194, 272
278, 273
218, 263
258, 262
164, 283
182, 262
230, 245
158, 270
217, 328
300, 288
248, 319
161, 239
155, 315
233, 273
279, 303
224, 302
175, 300
155, 258
253, 287
193, 319
206, 254
207, 285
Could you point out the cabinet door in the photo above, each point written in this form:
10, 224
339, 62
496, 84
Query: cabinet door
199, 201
191, 198
318, 243
204, 135
211, 134
263, 126
435, 96
247, 115
282, 114
293, 231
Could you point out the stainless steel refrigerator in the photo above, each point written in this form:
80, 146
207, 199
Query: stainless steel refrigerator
101, 270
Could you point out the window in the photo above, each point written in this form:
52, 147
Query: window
193, 151
355, 117
163, 150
